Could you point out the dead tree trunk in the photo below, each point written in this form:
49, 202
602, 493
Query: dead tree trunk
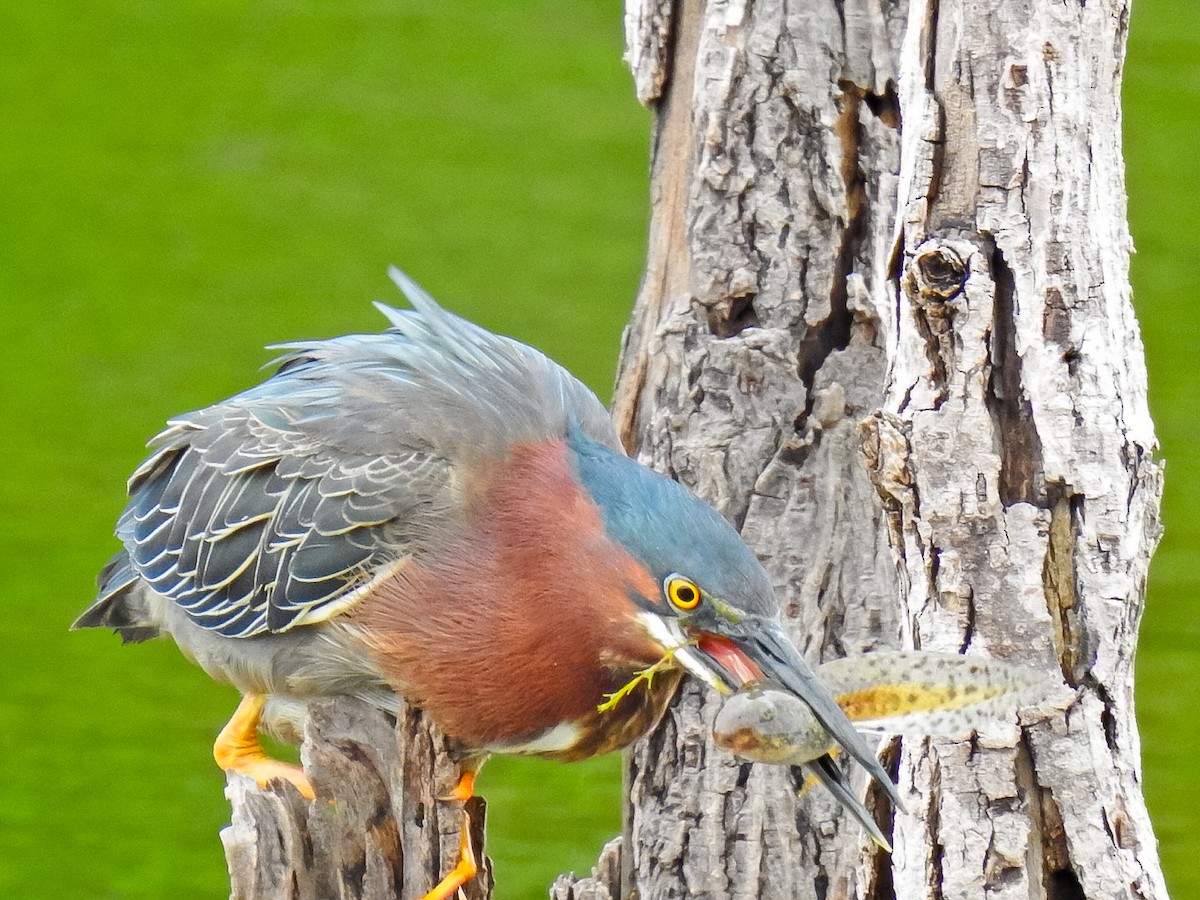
885, 327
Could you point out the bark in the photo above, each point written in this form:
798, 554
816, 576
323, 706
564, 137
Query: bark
378, 829
885, 327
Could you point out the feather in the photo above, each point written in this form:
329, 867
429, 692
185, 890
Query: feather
279, 506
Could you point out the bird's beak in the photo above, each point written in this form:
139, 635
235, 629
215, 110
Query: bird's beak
750, 647
763, 642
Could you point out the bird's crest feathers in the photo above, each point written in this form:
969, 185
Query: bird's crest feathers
279, 506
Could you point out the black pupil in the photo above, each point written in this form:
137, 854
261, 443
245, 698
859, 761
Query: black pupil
685, 594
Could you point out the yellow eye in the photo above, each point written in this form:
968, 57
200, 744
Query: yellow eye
682, 593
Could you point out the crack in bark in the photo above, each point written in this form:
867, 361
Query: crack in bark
886, 106
1049, 853
734, 318
1058, 579
833, 333
1109, 722
929, 54
969, 625
933, 553
834, 616
933, 819
848, 129
937, 156
1063, 884
880, 885
1022, 478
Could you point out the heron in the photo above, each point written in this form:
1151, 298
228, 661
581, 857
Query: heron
439, 513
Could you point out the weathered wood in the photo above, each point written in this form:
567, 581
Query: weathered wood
885, 327
1018, 387
605, 882
746, 370
647, 34
378, 829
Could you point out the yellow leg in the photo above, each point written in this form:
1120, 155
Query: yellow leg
466, 868
465, 789
237, 749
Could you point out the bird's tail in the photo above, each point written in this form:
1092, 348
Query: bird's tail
121, 605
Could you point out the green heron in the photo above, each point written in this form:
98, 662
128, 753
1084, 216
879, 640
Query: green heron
891, 692
445, 514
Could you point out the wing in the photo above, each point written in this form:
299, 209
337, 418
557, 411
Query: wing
283, 505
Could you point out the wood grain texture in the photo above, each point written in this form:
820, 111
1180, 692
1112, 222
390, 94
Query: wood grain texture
1018, 391
762, 353
886, 329
378, 829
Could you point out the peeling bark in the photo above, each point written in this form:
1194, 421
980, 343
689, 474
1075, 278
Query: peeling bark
886, 329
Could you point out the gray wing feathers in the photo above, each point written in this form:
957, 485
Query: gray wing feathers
281, 505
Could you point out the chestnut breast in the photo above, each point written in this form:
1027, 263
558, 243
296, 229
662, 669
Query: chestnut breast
510, 630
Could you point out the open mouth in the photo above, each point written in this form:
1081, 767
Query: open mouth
725, 661
758, 648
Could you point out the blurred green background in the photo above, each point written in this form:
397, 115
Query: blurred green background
182, 183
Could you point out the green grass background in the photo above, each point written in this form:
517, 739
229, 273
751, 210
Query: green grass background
181, 183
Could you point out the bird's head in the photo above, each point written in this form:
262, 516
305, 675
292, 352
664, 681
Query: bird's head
714, 606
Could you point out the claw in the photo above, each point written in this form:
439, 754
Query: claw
237, 749
464, 790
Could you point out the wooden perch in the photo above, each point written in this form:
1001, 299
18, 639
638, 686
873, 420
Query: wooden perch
377, 830
886, 329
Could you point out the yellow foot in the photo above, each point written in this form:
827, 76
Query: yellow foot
465, 789
237, 749
466, 868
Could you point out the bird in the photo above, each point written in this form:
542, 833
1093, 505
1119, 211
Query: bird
440, 513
